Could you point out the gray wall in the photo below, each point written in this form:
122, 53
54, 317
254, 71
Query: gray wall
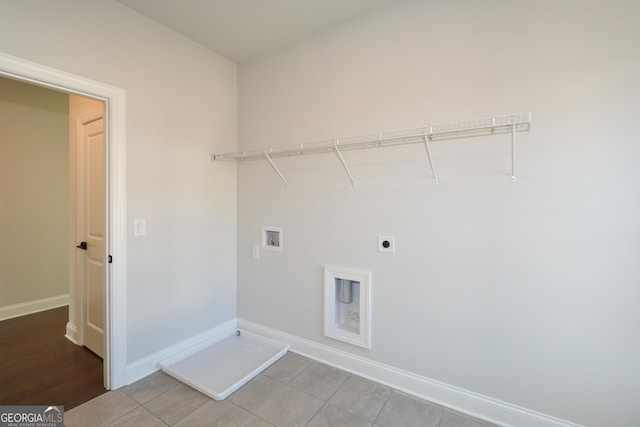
180, 106
523, 292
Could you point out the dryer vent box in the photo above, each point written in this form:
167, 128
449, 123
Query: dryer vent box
347, 305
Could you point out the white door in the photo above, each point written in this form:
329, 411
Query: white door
92, 230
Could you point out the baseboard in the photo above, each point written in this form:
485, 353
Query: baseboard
465, 401
72, 333
30, 307
150, 364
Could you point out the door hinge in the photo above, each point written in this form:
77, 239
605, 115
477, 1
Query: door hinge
109, 259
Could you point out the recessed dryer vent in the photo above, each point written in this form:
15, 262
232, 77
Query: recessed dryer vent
347, 294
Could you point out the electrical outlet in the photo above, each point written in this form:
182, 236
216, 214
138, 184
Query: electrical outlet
387, 244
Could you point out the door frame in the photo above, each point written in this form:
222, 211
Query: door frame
115, 360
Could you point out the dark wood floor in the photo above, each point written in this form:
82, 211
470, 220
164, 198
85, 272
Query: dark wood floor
39, 366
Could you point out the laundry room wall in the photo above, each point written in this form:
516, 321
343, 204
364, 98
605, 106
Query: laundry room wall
521, 292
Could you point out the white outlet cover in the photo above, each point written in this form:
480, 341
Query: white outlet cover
139, 227
387, 244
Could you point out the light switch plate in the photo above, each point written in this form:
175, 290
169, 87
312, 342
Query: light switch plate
139, 227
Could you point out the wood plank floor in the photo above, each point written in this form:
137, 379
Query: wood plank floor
39, 366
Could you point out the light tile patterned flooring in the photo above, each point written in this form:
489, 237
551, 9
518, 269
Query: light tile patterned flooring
294, 391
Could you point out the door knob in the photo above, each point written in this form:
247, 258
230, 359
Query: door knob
82, 245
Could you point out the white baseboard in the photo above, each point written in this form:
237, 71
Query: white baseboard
465, 401
72, 333
30, 307
150, 364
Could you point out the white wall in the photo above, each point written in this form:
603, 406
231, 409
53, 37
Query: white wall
525, 292
180, 105
34, 189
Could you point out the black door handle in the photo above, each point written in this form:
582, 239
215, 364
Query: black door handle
82, 245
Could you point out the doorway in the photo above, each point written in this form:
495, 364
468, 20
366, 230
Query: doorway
115, 287
48, 165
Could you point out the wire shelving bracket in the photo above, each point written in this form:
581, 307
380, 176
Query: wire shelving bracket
425, 135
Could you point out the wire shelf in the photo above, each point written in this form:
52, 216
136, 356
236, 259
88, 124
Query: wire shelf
472, 128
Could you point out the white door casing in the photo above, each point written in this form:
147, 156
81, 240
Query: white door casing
115, 359
91, 230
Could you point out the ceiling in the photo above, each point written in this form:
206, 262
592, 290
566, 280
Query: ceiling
243, 29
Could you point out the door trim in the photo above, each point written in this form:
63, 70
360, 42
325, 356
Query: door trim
115, 323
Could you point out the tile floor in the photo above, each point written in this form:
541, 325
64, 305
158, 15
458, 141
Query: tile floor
294, 391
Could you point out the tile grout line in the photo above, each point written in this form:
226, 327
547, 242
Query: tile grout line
167, 391
280, 381
249, 412
375, 421
134, 409
441, 415
325, 402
